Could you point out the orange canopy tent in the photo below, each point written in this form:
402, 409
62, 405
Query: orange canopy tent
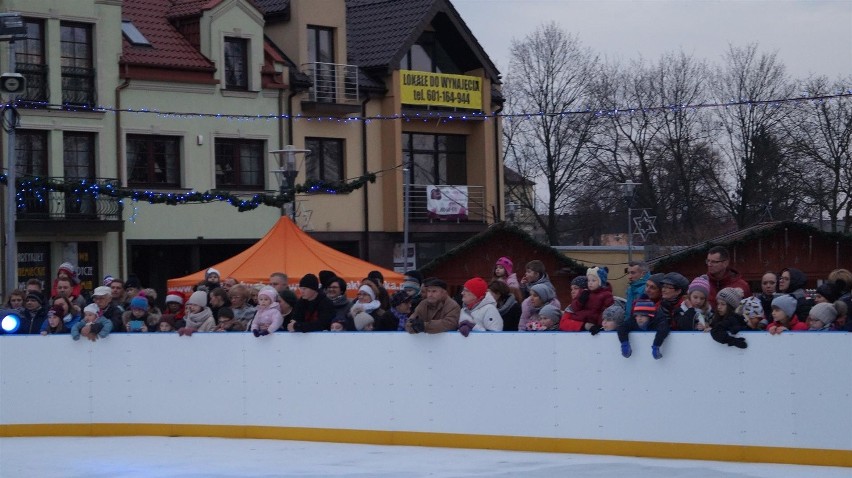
286, 248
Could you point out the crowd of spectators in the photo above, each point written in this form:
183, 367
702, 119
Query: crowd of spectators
719, 303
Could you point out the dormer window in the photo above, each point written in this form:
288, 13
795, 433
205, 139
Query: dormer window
236, 64
133, 35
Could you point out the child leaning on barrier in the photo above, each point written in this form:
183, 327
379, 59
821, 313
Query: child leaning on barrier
92, 325
727, 322
823, 314
645, 317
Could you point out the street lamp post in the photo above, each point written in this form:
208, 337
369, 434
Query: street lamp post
11, 27
628, 189
287, 172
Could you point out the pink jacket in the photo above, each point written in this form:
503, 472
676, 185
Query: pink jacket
269, 316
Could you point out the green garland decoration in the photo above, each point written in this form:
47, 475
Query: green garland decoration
39, 187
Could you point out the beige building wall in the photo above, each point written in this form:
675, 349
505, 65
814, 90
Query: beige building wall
615, 258
104, 16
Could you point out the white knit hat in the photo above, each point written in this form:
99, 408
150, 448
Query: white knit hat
198, 298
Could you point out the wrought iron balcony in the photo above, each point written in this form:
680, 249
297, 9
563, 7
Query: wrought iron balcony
333, 83
78, 86
37, 88
466, 204
40, 205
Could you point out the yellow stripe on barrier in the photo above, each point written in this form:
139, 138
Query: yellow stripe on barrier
685, 451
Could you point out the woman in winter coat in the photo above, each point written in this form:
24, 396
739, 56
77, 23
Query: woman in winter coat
506, 303
478, 311
793, 281
540, 295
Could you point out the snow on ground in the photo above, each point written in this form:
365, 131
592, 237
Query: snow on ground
162, 457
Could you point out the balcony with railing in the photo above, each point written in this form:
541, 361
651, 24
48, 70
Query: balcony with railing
454, 207
334, 88
37, 91
41, 210
78, 86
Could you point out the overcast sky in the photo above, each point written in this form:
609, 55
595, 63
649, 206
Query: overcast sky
809, 36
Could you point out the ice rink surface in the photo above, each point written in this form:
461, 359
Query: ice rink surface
162, 457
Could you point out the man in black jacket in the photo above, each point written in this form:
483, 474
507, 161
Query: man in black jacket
314, 311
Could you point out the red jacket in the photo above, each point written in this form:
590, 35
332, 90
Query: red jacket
592, 311
731, 278
795, 325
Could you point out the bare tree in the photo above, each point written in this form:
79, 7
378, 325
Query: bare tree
550, 76
748, 76
821, 133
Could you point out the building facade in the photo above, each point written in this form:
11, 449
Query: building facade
190, 96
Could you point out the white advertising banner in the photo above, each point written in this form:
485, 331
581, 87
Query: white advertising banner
447, 202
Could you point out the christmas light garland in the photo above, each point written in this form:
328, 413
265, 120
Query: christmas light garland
443, 116
38, 187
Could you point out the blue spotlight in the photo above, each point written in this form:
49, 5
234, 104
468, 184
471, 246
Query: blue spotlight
10, 321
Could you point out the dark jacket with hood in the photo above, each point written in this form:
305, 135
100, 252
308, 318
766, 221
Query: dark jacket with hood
796, 288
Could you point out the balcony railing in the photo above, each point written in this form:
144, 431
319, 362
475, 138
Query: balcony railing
58, 205
475, 206
333, 83
36, 77
78, 86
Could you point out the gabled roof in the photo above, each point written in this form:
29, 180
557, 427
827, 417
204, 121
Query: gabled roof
169, 48
274, 9
514, 178
380, 32
762, 229
504, 228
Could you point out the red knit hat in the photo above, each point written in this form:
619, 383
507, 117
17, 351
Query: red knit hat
477, 286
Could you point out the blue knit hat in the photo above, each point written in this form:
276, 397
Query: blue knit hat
581, 282
139, 302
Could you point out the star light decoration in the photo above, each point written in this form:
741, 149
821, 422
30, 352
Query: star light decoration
645, 225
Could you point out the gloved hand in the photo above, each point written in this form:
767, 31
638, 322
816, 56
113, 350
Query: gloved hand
584, 297
465, 327
595, 329
626, 351
738, 342
186, 331
264, 332
655, 352
256, 332
417, 325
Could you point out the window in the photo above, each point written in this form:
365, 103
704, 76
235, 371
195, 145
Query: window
31, 160
29, 61
236, 64
78, 72
427, 54
133, 35
153, 160
30, 153
79, 163
325, 161
239, 163
321, 55
437, 159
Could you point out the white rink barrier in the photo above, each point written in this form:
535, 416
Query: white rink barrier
783, 399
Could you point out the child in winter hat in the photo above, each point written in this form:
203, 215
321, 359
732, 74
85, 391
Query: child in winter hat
599, 273
752, 311
198, 316
823, 315
613, 317
503, 270
548, 319
726, 323
267, 318
696, 310
784, 315
643, 311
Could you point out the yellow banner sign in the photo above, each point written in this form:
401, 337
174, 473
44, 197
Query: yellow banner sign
438, 89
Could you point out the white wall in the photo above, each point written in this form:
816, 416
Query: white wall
791, 390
